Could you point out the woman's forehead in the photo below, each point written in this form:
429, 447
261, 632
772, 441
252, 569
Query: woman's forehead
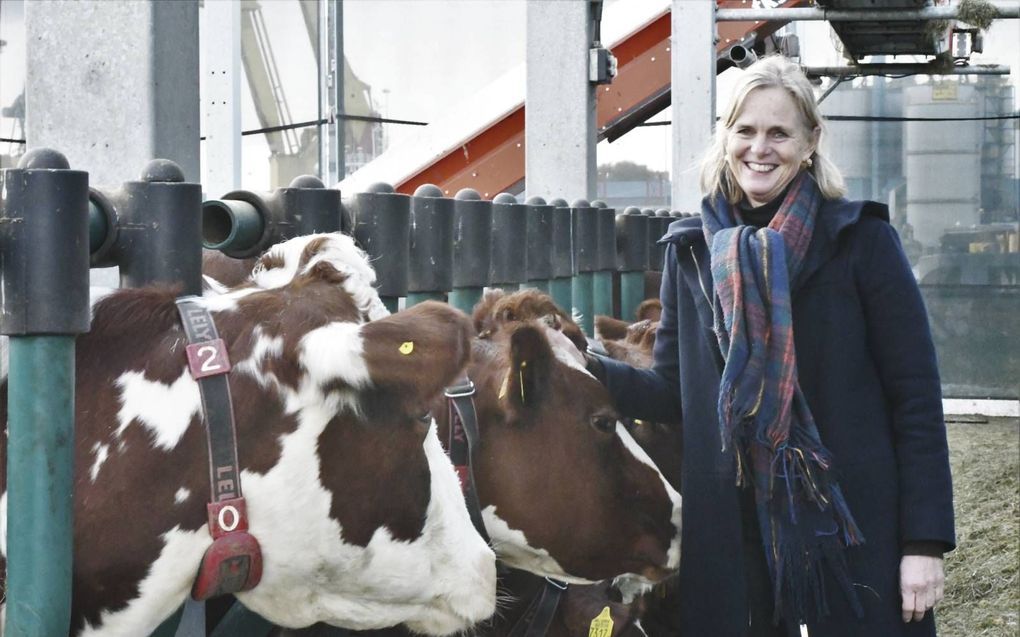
770, 107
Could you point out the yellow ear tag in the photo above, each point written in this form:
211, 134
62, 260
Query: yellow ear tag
602, 626
406, 347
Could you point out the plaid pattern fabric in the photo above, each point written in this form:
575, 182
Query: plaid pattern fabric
763, 415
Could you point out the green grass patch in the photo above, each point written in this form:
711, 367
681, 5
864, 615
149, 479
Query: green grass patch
982, 582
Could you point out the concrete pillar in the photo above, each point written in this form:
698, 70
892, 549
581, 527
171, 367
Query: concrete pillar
114, 84
560, 135
692, 54
221, 104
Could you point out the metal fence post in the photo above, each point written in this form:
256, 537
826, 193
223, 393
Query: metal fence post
563, 266
584, 220
509, 241
632, 253
539, 244
44, 236
472, 249
602, 300
156, 230
382, 222
430, 264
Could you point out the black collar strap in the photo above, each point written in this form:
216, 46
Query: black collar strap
536, 619
463, 441
234, 561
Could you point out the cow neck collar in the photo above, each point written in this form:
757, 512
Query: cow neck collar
233, 562
208, 363
463, 439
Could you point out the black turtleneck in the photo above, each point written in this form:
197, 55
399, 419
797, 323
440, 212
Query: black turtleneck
760, 216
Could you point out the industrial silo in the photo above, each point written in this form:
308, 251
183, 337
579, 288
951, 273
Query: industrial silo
942, 159
868, 153
849, 142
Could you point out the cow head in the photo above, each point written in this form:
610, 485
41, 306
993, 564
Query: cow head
356, 507
633, 343
565, 490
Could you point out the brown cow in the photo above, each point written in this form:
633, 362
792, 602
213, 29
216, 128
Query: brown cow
357, 508
565, 490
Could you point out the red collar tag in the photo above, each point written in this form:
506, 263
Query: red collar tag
234, 561
207, 358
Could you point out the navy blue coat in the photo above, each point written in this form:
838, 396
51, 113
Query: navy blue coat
867, 367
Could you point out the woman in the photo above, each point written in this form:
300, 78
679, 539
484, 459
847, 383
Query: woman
794, 347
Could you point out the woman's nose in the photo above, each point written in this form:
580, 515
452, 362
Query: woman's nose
760, 145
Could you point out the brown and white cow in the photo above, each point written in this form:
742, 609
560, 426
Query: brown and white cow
566, 491
355, 504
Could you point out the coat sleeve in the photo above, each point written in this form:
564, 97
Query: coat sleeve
653, 394
901, 346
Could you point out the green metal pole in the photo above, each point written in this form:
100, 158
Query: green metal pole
414, 298
465, 299
602, 302
40, 455
561, 292
582, 293
632, 293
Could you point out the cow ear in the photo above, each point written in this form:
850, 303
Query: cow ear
419, 351
608, 328
531, 365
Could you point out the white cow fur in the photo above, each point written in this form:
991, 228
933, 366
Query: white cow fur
440, 583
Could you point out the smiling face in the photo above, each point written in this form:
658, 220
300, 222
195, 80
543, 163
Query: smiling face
767, 144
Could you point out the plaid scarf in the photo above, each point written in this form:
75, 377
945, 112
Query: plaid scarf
763, 415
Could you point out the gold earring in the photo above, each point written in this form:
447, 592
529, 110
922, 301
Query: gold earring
807, 163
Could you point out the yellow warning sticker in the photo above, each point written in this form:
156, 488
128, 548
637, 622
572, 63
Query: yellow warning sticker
406, 347
602, 625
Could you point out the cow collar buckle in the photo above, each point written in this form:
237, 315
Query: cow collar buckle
233, 562
462, 390
557, 583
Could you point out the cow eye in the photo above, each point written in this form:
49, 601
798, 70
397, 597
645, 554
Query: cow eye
605, 424
425, 417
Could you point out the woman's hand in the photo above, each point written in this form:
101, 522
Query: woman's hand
921, 585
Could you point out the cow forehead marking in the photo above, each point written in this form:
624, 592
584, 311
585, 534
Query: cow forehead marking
673, 553
512, 547
165, 410
565, 350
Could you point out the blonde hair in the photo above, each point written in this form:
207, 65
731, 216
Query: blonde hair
774, 71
